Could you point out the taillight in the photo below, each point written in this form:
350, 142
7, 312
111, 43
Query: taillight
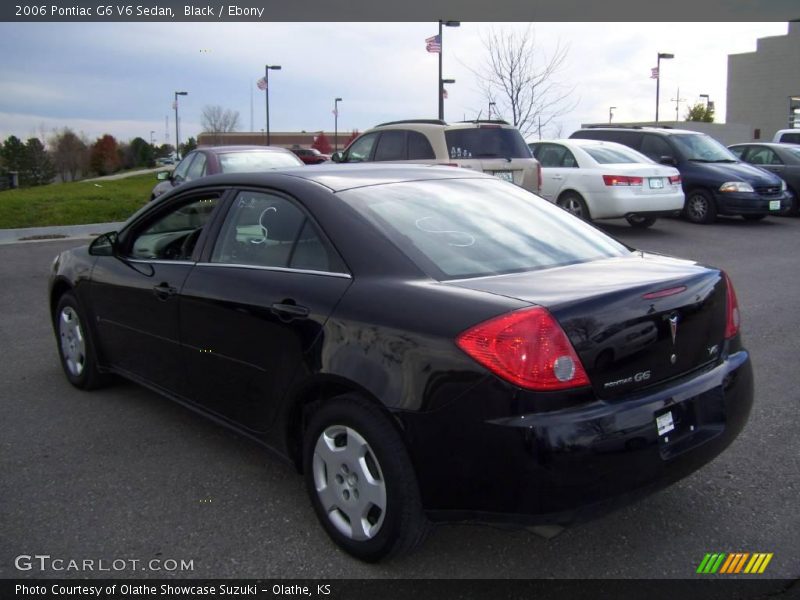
527, 348
674, 179
539, 174
622, 180
732, 309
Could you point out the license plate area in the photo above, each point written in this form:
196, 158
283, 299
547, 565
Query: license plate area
656, 183
687, 424
504, 175
774, 204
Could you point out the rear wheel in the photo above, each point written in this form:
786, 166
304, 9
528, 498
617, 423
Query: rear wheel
574, 204
700, 207
360, 479
640, 222
76, 346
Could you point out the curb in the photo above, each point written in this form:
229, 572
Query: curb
58, 232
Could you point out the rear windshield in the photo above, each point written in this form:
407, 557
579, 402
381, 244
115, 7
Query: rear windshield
486, 142
461, 228
605, 155
246, 162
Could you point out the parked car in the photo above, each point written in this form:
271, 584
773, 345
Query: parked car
224, 159
787, 136
781, 159
604, 180
417, 352
714, 181
493, 147
165, 161
310, 156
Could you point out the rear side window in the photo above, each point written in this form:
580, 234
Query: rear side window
391, 146
654, 147
486, 142
419, 148
452, 229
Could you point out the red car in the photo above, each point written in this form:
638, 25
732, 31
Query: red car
311, 156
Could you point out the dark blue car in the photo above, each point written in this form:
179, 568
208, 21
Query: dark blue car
715, 181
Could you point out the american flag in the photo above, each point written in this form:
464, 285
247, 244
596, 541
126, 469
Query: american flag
434, 44
261, 84
654, 73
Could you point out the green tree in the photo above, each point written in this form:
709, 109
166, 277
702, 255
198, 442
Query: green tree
13, 153
701, 112
104, 155
38, 167
190, 145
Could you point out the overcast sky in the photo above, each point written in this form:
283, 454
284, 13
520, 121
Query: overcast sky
119, 78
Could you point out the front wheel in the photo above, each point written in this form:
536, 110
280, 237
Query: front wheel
700, 207
640, 222
360, 479
76, 346
574, 204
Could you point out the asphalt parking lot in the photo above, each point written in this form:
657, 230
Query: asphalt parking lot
124, 474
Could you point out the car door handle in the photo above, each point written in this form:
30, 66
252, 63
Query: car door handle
559, 177
288, 311
164, 291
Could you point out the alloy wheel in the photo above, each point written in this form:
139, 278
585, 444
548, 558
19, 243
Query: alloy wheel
73, 344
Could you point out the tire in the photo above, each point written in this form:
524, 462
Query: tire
753, 217
640, 222
700, 207
357, 468
76, 347
575, 205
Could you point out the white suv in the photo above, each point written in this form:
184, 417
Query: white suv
493, 147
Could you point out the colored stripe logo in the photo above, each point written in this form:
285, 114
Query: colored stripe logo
734, 563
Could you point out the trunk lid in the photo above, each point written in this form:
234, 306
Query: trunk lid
634, 321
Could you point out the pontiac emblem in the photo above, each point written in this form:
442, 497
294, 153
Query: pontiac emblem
673, 326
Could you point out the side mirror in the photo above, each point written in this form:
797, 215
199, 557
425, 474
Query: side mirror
668, 160
104, 245
337, 157
162, 175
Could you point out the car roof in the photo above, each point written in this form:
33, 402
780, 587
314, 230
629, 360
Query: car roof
242, 148
661, 130
581, 142
768, 144
340, 177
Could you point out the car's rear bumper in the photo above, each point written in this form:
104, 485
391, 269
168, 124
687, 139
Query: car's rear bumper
570, 464
621, 202
743, 203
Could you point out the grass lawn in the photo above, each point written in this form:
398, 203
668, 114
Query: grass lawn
75, 203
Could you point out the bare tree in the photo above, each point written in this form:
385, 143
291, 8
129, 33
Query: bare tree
70, 154
521, 79
216, 120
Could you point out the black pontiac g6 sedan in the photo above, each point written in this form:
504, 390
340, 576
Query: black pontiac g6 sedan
424, 343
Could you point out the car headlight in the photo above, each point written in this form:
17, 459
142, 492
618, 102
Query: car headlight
783, 185
736, 186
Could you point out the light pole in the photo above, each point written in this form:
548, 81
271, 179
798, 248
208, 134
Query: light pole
611, 110
267, 69
665, 56
336, 124
152, 141
677, 100
177, 134
491, 104
441, 51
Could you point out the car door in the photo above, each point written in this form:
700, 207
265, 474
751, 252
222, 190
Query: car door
135, 293
253, 308
557, 166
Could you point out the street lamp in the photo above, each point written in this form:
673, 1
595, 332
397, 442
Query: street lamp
267, 69
177, 138
441, 50
336, 124
491, 104
611, 110
152, 141
665, 56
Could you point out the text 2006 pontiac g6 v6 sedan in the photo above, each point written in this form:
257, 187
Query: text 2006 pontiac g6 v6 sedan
424, 343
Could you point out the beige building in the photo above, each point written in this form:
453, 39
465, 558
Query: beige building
761, 85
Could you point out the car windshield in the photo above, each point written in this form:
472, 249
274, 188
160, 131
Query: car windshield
702, 148
486, 142
606, 155
461, 228
245, 162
